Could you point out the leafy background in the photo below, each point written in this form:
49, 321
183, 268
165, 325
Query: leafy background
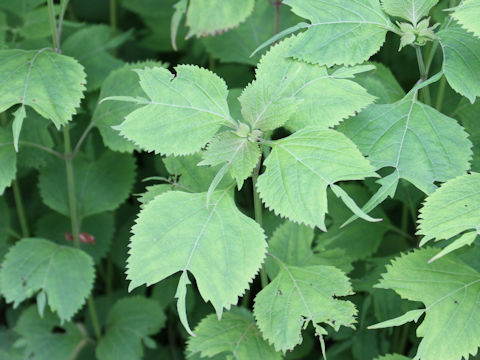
392, 114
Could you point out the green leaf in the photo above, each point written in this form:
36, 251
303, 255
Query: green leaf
55, 96
411, 10
292, 244
193, 178
110, 114
450, 290
8, 160
420, 143
381, 83
393, 357
461, 63
467, 15
43, 339
34, 264
90, 47
339, 33
101, 227
412, 315
207, 18
130, 321
468, 115
100, 185
451, 210
302, 166
297, 92
184, 111
298, 296
35, 23
180, 10
237, 44
177, 232
152, 192
240, 153
235, 335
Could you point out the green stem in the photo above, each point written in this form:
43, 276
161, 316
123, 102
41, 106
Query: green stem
71, 188
60, 21
94, 317
257, 206
22, 219
113, 16
3, 119
53, 24
423, 75
441, 93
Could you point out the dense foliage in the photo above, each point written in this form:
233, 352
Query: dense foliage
226, 179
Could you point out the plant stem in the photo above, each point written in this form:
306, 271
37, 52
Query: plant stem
22, 219
53, 24
277, 16
71, 188
94, 317
423, 74
257, 206
41, 147
60, 22
113, 16
441, 93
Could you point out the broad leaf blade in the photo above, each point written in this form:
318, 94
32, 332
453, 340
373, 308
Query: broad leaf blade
33, 265
467, 14
411, 10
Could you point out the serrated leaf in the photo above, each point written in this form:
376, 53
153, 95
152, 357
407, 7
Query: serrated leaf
297, 92
381, 83
298, 296
451, 210
235, 335
55, 96
57, 228
411, 10
133, 318
110, 114
90, 46
193, 178
176, 232
65, 274
42, 341
302, 166
239, 153
467, 14
420, 143
247, 36
100, 185
393, 357
206, 18
152, 192
340, 32
292, 244
461, 63
8, 160
184, 111
468, 115
449, 289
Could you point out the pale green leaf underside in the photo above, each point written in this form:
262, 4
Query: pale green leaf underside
420, 143
176, 232
468, 14
392, 357
411, 10
451, 209
239, 153
301, 167
55, 96
461, 64
298, 93
132, 318
235, 335
340, 32
299, 295
33, 265
183, 112
450, 290
100, 185
42, 341
108, 114
8, 160
208, 17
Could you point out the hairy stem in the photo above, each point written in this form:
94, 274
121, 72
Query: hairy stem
423, 75
22, 219
257, 206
